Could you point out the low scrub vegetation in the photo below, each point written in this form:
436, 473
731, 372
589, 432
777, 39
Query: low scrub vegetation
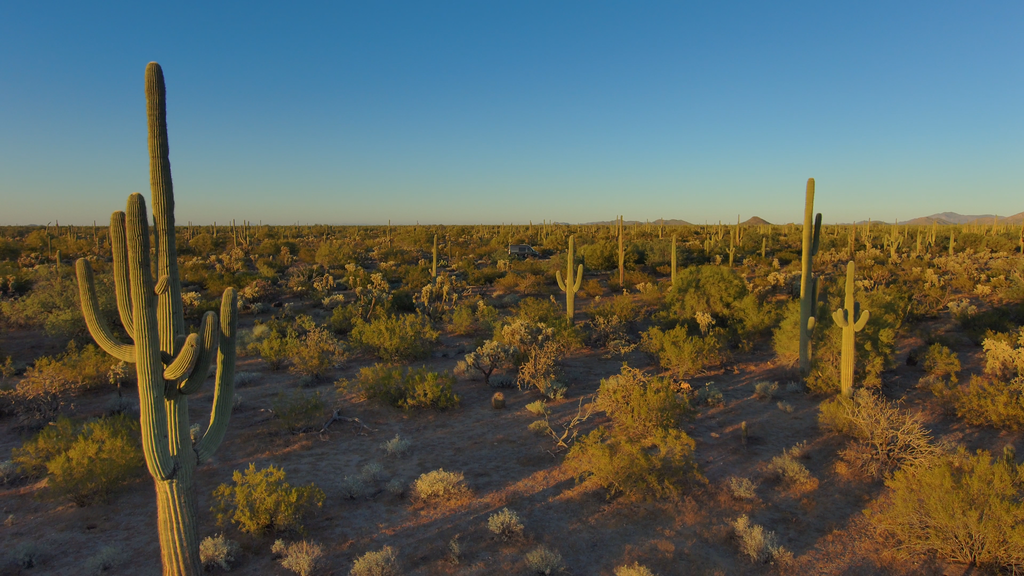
261, 501
406, 388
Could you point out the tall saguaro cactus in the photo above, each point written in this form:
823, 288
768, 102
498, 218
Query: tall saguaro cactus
433, 266
673, 259
569, 286
808, 283
851, 320
622, 255
170, 365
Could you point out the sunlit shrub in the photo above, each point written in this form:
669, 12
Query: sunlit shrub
395, 338
259, 501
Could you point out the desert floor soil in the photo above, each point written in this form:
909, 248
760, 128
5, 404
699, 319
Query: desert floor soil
506, 465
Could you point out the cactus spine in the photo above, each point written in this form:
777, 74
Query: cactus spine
851, 320
169, 365
673, 259
569, 286
808, 283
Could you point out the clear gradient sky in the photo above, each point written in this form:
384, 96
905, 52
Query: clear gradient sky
479, 111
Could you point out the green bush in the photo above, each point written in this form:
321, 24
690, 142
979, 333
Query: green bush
940, 362
683, 354
987, 401
298, 412
74, 371
395, 338
84, 463
640, 406
407, 388
964, 508
439, 485
260, 501
302, 558
383, 562
656, 467
316, 353
275, 348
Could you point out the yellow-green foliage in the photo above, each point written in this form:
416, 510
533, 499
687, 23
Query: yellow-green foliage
84, 463
407, 388
316, 353
259, 501
638, 405
439, 484
683, 354
395, 338
997, 397
964, 508
655, 467
76, 370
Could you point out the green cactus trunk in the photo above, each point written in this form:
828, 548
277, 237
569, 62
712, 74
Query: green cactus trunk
169, 365
851, 320
808, 283
622, 256
433, 267
569, 286
673, 259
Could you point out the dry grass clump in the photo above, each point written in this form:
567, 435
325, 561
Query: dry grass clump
383, 562
218, 551
793, 474
741, 488
542, 560
758, 544
439, 484
765, 390
301, 557
505, 524
397, 446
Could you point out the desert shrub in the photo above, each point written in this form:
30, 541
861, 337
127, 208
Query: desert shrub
987, 401
316, 353
683, 354
638, 405
259, 501
758, 544
538, 371
383, 562
886, 437
490, 356
636, 569
741, 488
785, 407
397, 446
303, 557
708, 288
107, 558
542, 560
298, 411
505, 524
218, 551
940, 362
463, 320
438, 299
439, 484
655, 467
710, 395
407, 388
765, 390
74, 371
53, 304
275, 349
8, 472
962, 507
46, 445
106, 455
26, 555
787, 468
395, 338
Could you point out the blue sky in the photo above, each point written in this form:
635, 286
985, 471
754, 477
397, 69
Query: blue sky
476, 111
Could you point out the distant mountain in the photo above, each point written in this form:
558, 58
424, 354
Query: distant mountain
954, 218
757, 221
659, 221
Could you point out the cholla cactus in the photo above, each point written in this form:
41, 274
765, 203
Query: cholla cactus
440, 297
705, 321
489, 357
376, 297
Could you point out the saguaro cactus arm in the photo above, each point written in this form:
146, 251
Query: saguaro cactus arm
207, 349
185, 361
224, 389
122, 286
94, 320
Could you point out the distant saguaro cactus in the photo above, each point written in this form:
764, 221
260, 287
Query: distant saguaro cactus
673, 259
851, 320
170, 365
622, 255
808, 283
569, 286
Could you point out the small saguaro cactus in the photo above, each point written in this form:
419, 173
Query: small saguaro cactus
622, 255
570, 286
952, 241
764, 246
673, 259
170, 365
851, 320
808, 283
433, 266
732, 244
